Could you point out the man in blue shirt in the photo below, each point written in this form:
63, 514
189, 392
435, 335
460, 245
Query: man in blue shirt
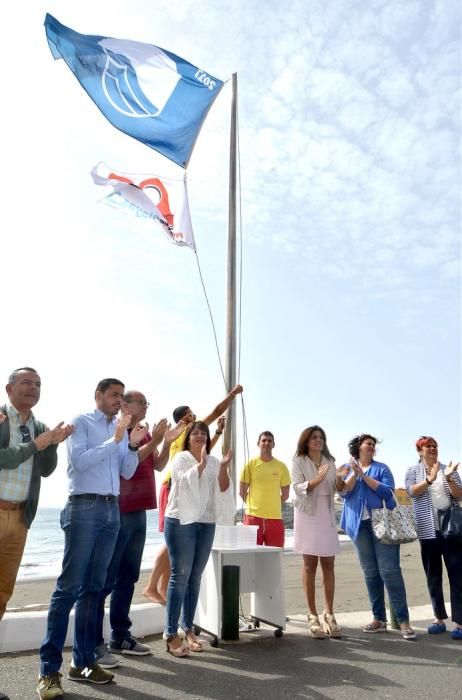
99, 452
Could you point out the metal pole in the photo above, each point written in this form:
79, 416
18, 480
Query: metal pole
229, 441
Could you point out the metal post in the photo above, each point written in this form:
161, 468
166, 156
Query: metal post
229, 441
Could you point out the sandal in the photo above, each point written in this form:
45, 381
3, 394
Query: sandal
191, 640
315, 628
180, 651
457, 634
330, 625
375, 626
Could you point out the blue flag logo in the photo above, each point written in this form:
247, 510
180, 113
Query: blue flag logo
146, 92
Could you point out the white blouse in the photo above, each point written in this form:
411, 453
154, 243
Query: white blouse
197, 498
438, 497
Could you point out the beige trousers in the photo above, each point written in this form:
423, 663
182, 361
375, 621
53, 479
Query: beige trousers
13, 533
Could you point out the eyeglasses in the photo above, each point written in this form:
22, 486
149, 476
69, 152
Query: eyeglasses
146, 404
25, 432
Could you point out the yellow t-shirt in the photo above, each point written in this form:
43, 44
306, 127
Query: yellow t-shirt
265, 480
176, 446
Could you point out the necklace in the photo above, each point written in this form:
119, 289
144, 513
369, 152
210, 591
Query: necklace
317, 462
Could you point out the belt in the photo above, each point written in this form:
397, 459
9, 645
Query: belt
93, 497
11, 505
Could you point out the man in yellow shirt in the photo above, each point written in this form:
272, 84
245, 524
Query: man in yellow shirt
264, 486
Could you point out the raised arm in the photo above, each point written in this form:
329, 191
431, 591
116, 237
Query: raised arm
221, 407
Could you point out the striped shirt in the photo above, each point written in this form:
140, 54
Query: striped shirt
14, 483
422, 504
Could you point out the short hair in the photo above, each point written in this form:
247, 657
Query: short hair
129, 395
303, 440
104, 384
202, 426
424, 441
179, 412
14, 374
356, 442
268, 433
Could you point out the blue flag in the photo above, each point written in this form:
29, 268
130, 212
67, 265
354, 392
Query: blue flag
146, 92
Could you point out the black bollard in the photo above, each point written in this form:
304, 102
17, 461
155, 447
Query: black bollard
230, 603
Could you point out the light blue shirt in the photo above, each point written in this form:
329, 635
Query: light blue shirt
95, 460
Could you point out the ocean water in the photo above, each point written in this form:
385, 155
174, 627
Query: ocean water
45, 544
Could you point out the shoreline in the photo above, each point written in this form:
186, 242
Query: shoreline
35, 594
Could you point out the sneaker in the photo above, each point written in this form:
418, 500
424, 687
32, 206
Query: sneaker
408, 633
129, 646
91, 674
49, 687
104, 658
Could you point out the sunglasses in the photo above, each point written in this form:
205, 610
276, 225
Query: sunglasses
25, 432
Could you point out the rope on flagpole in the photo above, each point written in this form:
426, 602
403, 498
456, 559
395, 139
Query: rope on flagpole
211, 319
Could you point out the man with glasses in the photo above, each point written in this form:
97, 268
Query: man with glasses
27, 452
137, 495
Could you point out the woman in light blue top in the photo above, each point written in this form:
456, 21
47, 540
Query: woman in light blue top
366, 484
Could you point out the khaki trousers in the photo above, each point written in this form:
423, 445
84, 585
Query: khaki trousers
13, 533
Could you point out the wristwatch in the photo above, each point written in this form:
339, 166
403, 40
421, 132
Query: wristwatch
428, 481
133, 448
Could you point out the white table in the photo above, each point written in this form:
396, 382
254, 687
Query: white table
260, 573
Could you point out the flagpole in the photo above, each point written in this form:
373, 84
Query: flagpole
230, 357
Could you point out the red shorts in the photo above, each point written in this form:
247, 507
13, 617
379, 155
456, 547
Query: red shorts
163, 498
270, 532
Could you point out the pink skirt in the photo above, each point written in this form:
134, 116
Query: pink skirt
315, 534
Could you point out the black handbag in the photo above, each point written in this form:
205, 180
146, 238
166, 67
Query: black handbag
450, 521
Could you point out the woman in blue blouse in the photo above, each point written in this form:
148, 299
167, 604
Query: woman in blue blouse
366, 484
431, 486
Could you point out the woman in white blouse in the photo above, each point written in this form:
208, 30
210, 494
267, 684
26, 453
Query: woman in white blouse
200, 484
431, 486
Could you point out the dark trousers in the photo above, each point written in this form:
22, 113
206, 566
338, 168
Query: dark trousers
433, 553
122, 574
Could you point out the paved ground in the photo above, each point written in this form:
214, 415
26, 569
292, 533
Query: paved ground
260, 666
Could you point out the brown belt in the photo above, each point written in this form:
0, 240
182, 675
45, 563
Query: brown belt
11, 505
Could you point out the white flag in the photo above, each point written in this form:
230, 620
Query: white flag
162, 200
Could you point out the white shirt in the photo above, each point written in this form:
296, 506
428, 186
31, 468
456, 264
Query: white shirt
438, 497
194, 498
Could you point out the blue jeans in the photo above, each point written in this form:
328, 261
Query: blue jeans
123, 573
381, 568
90, 533
189, 548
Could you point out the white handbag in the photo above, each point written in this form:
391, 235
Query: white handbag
395, 526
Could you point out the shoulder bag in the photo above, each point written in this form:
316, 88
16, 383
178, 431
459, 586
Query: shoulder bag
395, 526
450, 521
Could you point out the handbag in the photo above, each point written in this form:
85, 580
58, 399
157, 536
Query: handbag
450, 521
395, 526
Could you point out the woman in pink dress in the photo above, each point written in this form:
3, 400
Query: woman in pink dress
314, 479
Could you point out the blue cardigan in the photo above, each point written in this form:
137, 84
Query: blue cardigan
364, 497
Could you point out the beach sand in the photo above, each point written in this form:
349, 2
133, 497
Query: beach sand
350, 594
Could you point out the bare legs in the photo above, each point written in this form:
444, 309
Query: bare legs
156, 590
310, 565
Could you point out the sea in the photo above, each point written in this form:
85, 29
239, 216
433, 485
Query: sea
45, 545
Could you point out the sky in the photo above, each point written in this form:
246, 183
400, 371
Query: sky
349, 131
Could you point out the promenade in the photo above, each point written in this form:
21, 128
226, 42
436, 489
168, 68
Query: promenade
261, 667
